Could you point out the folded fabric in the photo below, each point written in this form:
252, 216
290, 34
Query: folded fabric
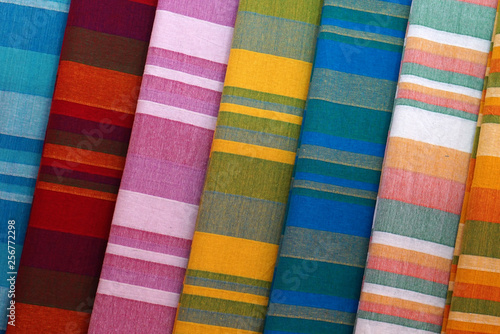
475, 303
31, 34
235, 244
99, 76
157, 203
425, 167
318, 278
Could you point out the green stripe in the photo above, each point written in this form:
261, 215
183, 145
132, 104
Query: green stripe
455, 16
338, 171
305, 11
264, 97
294, 325
248, 102
475, 306
481, 238
229, 286
332, 197
437, 109
361, 41
256, 138
494, 79
270, 180
219, 319
311, 313
421, 223
222, 305
491, 119
445, 77
362, 17
377, 6
399, 321
406, 283
228, 278
476, 141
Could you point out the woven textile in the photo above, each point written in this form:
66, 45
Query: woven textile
235, 244
425, 167
475, 304
31, 34
318, 278
157, 204
99, 76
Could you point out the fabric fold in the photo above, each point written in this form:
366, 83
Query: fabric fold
425, 167
157, 203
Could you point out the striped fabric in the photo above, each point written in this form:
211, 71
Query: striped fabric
317, 282
235, 244
470, 175
425, 166
31, 34
475, 305
157, 204
99, 76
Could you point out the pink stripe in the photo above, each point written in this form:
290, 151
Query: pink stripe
118, 315
401, 313
167, 140
222, 12
408, 269
173, 273
486, 3
438, 101
444, 63
423, 190
163, 179
180, 95
187, 64
153, 242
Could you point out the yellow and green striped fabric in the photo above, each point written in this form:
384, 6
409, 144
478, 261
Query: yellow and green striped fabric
235, 244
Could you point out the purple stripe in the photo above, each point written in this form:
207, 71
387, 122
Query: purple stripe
181, 95
170, 273
222, 12
164, 139
177, 182
73, 174
187, 64
115, 17
149, 241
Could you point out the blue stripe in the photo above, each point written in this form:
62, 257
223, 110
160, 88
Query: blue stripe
315, 300
20, 143
343, 144
336, 181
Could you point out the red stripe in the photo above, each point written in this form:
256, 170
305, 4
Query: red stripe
486, 3
438, 101
61, 165
401, 312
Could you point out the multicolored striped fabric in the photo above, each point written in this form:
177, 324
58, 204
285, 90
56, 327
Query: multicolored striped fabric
99, 76
425, 166
235, 244
475, 304
157, 204
318, 278
470, 175
31, 34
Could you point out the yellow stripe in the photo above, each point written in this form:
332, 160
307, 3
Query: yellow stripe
269, 114
269, 74
182, 327
490, 140
233, 256
224, 294
487, 173
475, 318
253, 151
76, 191
479, 263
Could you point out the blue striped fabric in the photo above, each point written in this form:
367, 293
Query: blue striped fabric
31, 33
318, 278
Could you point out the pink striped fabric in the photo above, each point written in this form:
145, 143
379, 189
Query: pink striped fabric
157, 203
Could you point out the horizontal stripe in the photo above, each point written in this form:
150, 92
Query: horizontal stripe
474, 318
207, 254
234, 108
371, 326
96, 194
445, 86
137, 293
256, 138
197, 32
183, 77
253, 151
310, 313
403, 294
396, 311
225, 294
140, 254
478, 277
60, 6
479, 263
486, 172
209, 13
82, 156
340, 157
404, 304
182, 327
309, 12
412, 244
490, 140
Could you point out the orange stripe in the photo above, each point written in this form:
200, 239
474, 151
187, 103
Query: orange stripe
481, 198
478, 277
97, 87
75, 155
439, 93
76, 191
401, 303
400, 254
476, 291
471, 327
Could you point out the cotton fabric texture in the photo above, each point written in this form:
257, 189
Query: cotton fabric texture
318, 278
99, 76
31, 34
425, 167
235, 244
157, 203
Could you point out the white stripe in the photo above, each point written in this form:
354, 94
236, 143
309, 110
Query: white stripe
412, 244
148, 256
364, 326
433, 128
176, 114
449, 38
42, 4
477, 94
13, 197
138, 293
155, 214
184, 77
200, 38
417, 297
20, 170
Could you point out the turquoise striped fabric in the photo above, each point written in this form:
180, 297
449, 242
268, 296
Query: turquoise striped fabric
318, 278
31, 33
